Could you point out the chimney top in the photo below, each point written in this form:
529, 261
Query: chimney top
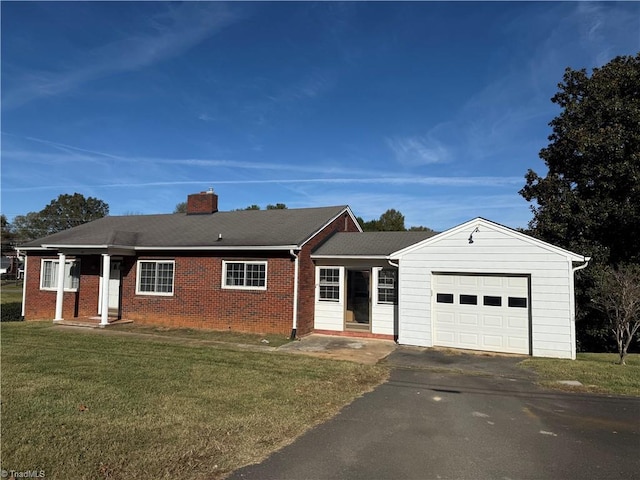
202, 203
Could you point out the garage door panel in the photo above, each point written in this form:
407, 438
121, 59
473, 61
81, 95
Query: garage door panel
468, 319
517, 283
472, 311
467, 281
471, 340
492, 281
492, 341
445, 338
492, 321
445, 318
518, 343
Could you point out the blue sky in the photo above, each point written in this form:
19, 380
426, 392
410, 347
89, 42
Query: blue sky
434, 109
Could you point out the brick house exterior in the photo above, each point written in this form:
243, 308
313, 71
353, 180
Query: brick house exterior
197, 245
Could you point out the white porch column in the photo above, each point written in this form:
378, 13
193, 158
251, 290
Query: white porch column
62, 258
106, 273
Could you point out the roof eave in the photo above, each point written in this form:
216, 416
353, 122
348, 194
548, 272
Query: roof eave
219, 247
351, 257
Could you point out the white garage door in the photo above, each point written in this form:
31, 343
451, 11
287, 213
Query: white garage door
481, 312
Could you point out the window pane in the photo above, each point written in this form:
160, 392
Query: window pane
330, 275
255, 275
444, 297
147, 276
328, 292
164, 277
49, 274
235, 274
468, 300
387, 286
330, 284
72, 275
492, 301
518, 302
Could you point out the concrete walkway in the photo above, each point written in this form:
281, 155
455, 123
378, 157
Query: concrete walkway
361, 350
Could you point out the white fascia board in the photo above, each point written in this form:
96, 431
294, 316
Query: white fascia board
351, 257
174, 247
481, 222
57, 247
346, 209
225, 248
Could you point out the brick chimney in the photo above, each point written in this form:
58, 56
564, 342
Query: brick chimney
202, 203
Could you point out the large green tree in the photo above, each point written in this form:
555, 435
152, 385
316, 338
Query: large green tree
7, 235
62, 213
589, 199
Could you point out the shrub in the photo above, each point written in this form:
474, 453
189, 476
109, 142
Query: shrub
11, 312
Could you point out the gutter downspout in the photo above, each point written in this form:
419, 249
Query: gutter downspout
584, 265
572, 301
294, 326
396, 318
24, 282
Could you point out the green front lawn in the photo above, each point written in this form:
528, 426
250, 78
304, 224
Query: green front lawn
10, 292
123, 406
598, 372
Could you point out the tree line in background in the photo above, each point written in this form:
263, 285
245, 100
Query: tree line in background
588, 201
390, 221
66, 211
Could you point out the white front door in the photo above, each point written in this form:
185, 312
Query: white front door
481, 312
114, 287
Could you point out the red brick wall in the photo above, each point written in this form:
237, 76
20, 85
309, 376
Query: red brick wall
199, 301
307, 278
41, 304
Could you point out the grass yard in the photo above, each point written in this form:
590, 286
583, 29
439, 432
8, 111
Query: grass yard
10, 292
597, 372
191, 334
80, 405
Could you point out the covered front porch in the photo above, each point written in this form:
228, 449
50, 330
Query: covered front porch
83, 285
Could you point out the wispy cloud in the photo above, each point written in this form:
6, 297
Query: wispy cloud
416, 151
397, 181
173, 31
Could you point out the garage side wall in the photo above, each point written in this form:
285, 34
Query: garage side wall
492, 252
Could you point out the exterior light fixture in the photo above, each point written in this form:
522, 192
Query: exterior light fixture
471, 236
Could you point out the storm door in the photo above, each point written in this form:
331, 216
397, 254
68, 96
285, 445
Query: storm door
358, 308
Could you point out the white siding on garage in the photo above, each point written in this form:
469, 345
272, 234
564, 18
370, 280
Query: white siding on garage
495, 251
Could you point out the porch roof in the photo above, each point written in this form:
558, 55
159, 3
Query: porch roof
288, 228
368, 244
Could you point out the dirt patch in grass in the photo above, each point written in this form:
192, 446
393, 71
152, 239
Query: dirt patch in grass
272, 340
119, 406
598, 373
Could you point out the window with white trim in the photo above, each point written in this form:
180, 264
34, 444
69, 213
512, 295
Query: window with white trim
244, 275
49, 275
387, 286
329, 285
155, 277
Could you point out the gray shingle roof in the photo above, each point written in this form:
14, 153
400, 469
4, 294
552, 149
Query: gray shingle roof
246, 228
369, 244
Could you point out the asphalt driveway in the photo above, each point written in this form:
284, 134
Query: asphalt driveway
440, 416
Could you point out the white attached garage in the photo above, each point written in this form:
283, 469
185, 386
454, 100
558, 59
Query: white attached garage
481, 312
483, 286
